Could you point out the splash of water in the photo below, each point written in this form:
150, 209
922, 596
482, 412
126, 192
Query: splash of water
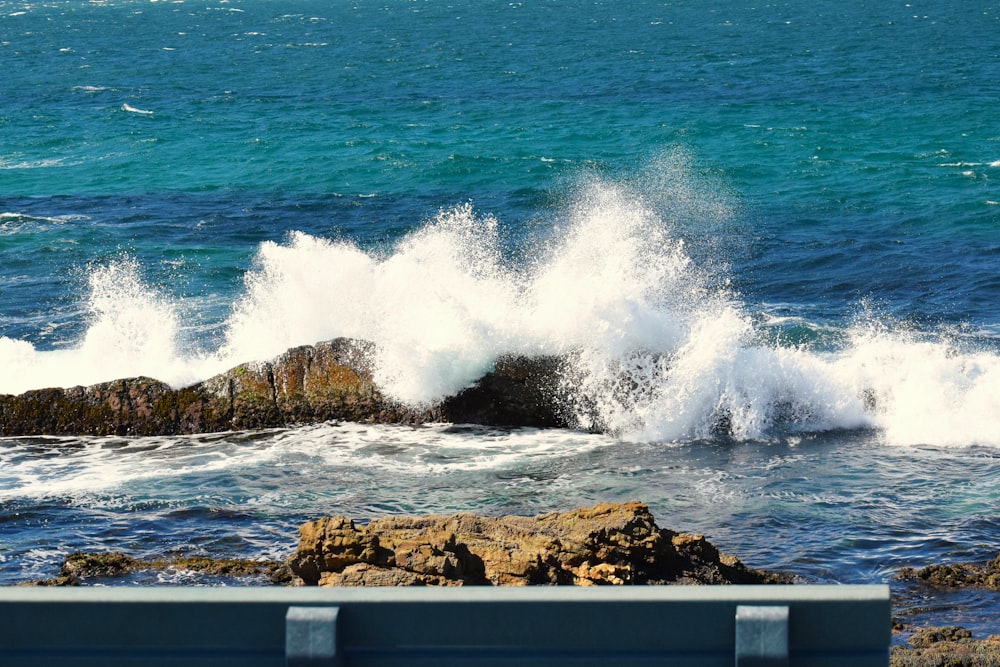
440, 308
657, 347
133, 330
926, 389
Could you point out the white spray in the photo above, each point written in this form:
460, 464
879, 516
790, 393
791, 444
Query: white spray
659, 351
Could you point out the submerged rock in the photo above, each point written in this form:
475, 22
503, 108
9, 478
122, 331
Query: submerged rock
79, 565
328, 381
55, 581
606, 544
953, 646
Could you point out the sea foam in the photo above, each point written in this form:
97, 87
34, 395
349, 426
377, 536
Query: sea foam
658, 348
132, 330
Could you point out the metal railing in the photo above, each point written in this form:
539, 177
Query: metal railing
612, 626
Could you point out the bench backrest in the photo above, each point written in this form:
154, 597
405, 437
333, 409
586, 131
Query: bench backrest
250, 627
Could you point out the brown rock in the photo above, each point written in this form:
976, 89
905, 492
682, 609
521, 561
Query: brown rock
950, 646
925, 637
957, 575
332, 543
331, 380
328, 381
605, 544
56, 581
363, 574
314, 383
133, 407
82, 565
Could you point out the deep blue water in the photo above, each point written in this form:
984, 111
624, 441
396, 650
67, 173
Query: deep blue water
794, 204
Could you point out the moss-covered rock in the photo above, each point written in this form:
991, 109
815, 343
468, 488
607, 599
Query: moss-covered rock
55, 581
276, 572
128, 407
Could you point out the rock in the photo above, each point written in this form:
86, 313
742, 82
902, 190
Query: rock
606, 544
957, 575
328, 381
136, 406
276, 572
79, 566
925, 637
950, 646
55, 581
519, 391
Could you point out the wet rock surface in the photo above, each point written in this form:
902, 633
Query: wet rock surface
607, 544
328, 381
519, 391
957, 575
82, 568
615, 544
949, 646
135, 406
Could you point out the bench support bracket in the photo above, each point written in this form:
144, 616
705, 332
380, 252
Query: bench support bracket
761, 636
311, 637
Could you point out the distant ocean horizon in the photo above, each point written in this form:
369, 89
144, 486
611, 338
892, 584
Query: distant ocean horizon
784, 213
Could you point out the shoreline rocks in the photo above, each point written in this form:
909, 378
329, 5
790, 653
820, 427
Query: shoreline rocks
956, 575
953, 646
607, 544
78, 567
949, 646
136, 406
328, 381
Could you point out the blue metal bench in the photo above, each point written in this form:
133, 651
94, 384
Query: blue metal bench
608, 626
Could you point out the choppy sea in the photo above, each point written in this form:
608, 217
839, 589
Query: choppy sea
786, 213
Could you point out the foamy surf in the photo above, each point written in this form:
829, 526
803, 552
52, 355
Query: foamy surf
103, 468
659, 349
131, 109
133, 330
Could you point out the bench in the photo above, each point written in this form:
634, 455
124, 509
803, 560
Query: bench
348, 627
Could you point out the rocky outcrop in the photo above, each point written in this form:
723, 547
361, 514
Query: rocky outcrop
314, 383
957, 575
605, 544
953, 646
950, 646
136, 406
519, 391
326, 381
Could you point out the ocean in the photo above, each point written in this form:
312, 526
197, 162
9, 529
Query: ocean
768, 234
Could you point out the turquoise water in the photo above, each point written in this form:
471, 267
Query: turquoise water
783, 217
